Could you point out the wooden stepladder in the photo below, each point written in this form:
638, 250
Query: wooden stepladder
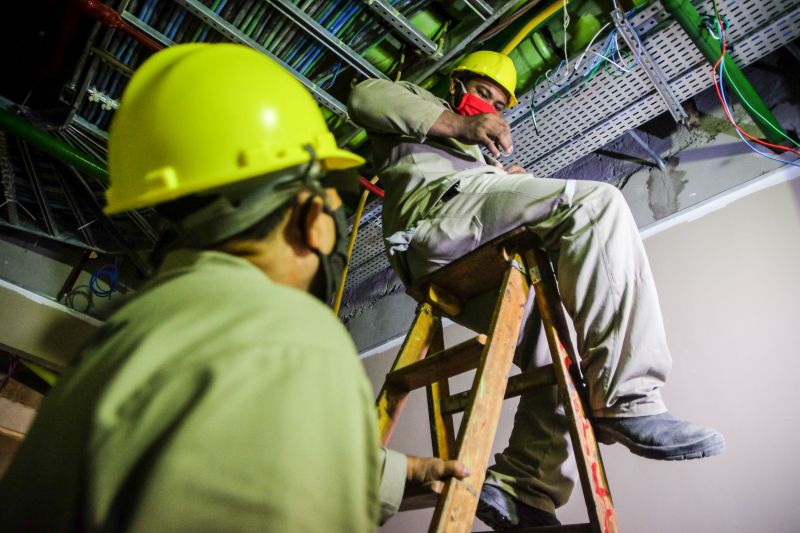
510, 264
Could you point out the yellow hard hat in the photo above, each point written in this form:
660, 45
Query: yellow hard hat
197, 117
495, 66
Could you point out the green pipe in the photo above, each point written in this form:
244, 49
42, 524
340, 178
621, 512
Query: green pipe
53, 146
694, 25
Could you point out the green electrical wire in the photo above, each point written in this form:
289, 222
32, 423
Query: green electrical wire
746, 103
739, 93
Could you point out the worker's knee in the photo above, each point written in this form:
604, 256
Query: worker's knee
605, 202
607, 194
607, 198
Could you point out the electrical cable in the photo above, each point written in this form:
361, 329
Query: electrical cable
620, 67
753, 148
609, 50
111, 274
83, 291
742, 98
491, 32
337, 302
567, 20
370, 186
588, 46
719, 93
750, 106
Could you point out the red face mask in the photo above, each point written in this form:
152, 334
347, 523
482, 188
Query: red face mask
472, 105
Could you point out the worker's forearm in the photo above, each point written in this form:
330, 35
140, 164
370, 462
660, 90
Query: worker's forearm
448, 124
381, 106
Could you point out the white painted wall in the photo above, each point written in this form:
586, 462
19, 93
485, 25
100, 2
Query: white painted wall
39, 329
730, 296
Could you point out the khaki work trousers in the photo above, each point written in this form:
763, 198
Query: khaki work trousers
607, 288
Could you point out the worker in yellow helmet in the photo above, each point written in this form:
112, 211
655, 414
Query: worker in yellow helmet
444, 198
222, 396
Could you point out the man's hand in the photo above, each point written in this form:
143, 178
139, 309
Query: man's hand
487, 129
421, 470
515, 169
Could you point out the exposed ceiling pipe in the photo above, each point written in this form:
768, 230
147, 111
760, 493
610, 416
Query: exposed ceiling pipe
57, 148
105, 15
694, 26
531, 25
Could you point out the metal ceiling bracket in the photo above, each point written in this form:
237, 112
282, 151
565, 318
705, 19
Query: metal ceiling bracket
650, 67
480, 7
417, 74
147, 29
408, 31
326, 38
230, 31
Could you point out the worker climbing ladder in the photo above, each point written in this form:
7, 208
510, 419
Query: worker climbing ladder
510, 264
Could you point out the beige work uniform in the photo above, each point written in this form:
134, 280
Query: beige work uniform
589, 233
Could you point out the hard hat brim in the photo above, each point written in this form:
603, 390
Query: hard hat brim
331, 159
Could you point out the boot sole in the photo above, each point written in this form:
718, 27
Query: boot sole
713, 445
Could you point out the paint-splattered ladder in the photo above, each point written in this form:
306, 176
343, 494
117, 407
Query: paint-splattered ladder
512, 263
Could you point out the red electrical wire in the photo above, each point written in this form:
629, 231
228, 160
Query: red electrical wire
371, 187
724, 107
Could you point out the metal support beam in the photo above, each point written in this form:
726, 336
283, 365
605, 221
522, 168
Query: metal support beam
55, 147
231, 32
326, 38
408, 31
480, 7
650, 67
38, 189
7, 179
459, 43
147, 29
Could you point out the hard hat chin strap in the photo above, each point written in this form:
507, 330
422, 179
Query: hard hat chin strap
240, 205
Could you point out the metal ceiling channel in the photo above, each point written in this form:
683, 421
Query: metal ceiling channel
401, 24
299, 35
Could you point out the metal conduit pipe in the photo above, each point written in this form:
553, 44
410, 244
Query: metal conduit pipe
53, 146
641, 142
694, 26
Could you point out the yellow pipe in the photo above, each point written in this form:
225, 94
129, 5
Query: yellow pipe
350, 245
532, 24
47, 375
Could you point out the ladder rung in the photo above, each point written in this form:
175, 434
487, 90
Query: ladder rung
422, 496
426, 496
447, 363
532, 379
569, 528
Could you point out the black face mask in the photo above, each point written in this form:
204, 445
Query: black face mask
331, 266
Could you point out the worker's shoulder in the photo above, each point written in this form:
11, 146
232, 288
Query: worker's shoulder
385, 88
210, 289
221, 310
